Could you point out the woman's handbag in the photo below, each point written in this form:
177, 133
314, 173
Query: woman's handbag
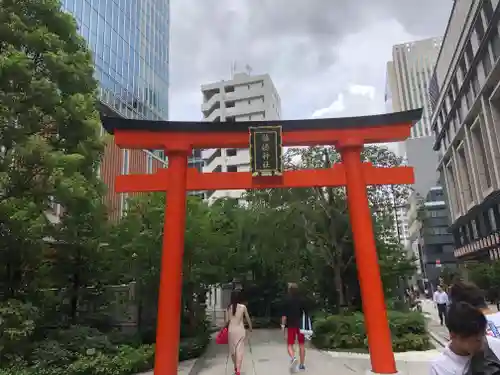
222, 337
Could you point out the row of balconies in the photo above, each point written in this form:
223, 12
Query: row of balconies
229, 99
490, 241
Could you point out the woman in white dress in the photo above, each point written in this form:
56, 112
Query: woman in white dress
235, 315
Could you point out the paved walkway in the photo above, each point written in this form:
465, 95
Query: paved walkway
267, 353
438, 332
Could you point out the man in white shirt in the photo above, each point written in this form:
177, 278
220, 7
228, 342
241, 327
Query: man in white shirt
441, 301
467, 326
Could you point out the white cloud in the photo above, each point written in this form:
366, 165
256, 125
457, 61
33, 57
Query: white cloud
336, 107
313, 50
362, 90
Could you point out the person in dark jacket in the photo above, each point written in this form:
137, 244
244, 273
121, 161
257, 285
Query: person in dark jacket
295, 306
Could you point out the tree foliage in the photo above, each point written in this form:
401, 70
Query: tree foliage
50, 148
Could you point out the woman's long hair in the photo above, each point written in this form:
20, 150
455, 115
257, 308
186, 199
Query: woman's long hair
293, 290
235, 299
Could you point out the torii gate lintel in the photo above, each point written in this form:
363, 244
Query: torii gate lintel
347, 134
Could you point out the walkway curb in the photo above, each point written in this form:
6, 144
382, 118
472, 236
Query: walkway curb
199, 363
438, 339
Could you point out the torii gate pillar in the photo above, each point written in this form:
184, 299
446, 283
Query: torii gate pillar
370, 282
169, 301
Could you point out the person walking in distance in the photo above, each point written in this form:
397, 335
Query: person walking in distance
235, 315
441, 301
294, 308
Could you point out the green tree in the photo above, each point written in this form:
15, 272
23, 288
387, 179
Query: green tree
316, 235
50, 144
136, 243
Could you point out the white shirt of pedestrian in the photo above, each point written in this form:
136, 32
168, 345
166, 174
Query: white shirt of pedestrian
449, 363
441, 298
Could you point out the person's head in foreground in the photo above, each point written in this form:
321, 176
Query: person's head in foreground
462, 291
467, 326
439, 288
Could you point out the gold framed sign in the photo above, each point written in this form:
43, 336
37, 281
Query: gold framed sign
266, 151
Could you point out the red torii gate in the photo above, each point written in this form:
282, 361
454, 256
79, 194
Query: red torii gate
349, 135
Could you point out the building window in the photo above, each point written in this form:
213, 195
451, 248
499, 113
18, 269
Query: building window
488, 225
475, 233
479, 28
486, 62
493, 218
495, 43
475, 84
480, 153
464, 175
149, 167
126, 161
463, 68
487, 11
469, 53
469, 95
452, 190
231, 152
232, 168
454, 85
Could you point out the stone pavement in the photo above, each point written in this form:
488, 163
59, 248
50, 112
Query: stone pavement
438, 332
267, 353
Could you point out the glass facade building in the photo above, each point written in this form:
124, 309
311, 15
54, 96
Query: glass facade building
129, 40
130, 44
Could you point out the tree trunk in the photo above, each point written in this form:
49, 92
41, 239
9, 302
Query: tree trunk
339, 285
75, 288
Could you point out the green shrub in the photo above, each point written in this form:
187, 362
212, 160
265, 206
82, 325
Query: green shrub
80, 339
17, 326
82, 350
126, 361
193, 347
348, 332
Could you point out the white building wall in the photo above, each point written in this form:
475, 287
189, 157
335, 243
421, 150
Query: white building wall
243, 98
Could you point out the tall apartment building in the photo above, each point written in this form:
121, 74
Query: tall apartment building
243, 98
408, 75
130, 44
465, 96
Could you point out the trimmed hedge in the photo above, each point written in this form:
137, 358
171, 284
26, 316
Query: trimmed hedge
347, 332
126, 361
73, 354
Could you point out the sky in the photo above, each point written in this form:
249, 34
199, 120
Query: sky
327, 58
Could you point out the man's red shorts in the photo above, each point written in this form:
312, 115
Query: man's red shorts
294, 334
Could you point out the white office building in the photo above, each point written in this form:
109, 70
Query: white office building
243, 98
408, 75
465, 96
